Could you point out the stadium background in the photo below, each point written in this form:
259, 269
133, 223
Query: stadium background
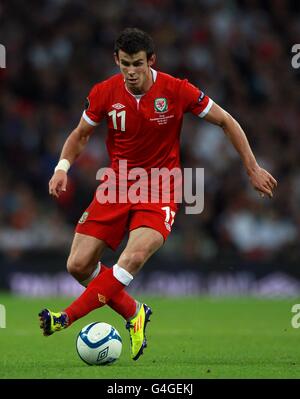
237, 52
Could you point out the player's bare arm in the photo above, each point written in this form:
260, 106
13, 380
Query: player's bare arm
260, 179
73, 147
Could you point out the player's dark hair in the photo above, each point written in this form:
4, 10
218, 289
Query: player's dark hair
133, 40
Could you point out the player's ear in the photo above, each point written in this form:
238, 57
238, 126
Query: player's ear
116, 57
152, 60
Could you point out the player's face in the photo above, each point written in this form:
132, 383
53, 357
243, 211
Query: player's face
136, 70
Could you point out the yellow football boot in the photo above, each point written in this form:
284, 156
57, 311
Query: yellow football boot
137, 327
51, 322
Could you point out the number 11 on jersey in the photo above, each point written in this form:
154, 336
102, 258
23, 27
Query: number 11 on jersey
115, 115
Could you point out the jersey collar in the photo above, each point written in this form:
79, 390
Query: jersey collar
154, 74
139, 96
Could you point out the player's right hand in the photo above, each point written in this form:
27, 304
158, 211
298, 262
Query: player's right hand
58, 183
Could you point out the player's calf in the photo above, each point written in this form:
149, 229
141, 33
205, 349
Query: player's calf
133, 261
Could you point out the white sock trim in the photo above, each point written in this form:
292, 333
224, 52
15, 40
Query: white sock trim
122, 275
95, 273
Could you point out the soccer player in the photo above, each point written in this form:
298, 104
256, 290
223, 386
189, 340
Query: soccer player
143, 109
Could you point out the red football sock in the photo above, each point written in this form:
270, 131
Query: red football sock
99, 291
122, 302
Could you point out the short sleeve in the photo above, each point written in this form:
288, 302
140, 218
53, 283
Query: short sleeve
94, 107
194, 100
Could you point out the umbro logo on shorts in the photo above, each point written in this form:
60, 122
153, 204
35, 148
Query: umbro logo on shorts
168, 227
118, 106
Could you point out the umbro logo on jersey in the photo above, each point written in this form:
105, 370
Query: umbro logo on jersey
118, 106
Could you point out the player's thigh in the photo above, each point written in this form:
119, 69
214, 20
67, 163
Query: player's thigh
143, 242
85, 253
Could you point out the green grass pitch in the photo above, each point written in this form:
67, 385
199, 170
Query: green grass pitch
187, 338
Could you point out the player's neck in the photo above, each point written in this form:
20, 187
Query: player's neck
145, 87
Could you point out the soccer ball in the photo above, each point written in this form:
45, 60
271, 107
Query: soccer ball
99, 344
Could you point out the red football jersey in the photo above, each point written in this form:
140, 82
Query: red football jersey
145, 130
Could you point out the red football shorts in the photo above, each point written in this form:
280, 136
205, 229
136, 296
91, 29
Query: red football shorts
110, 222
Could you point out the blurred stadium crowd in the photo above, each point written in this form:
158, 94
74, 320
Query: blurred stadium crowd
237, 52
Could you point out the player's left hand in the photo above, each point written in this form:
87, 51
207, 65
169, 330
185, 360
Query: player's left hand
262, 181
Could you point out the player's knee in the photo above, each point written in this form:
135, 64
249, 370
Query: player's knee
77, 267
133, 260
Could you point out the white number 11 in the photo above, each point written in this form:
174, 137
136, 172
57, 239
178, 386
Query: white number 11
114, 115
